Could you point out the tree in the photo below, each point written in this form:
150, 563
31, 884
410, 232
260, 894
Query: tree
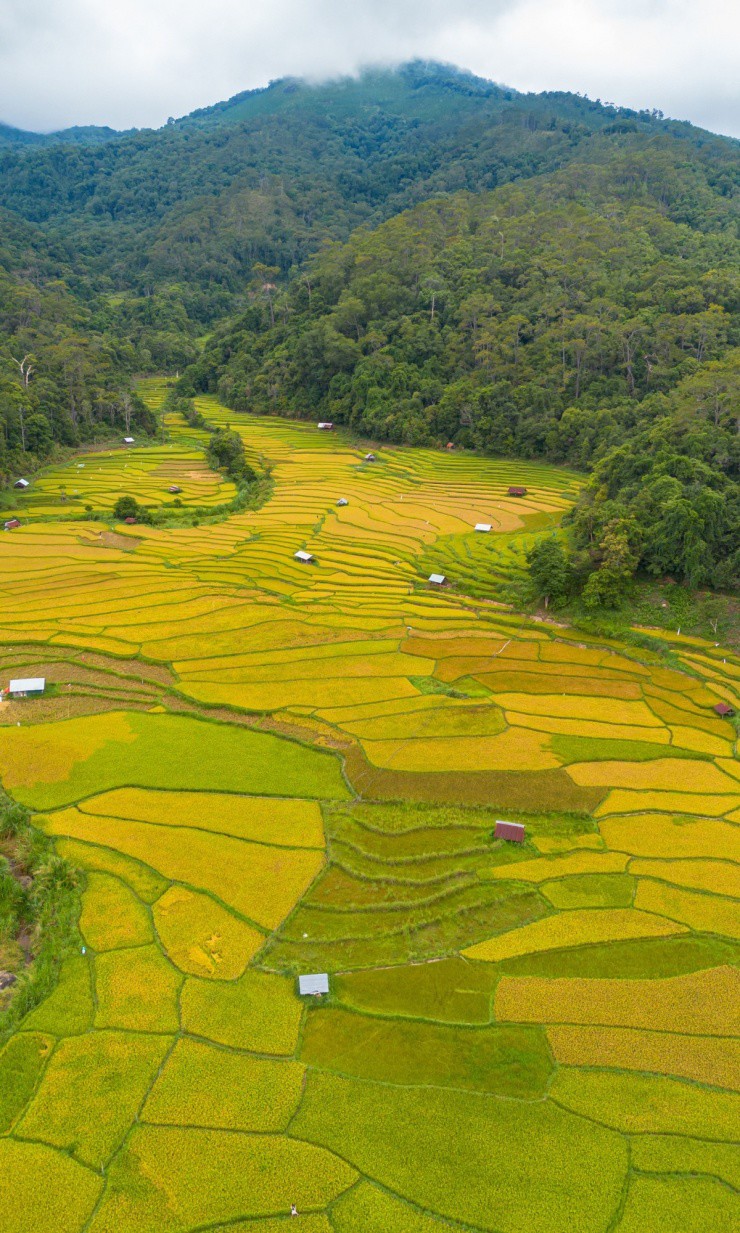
550, 570
125, 507
608, 585
226, 453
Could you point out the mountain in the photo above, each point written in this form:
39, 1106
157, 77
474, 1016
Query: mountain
419, 252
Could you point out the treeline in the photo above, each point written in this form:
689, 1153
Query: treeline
64, 381
572, 318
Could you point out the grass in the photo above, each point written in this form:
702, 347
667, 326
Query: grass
51, 766
433, 1147
446, 991
678, 1205
507, 1061
22, 1062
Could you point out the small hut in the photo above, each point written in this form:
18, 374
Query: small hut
483, 526
516, 490
724, 710
342, 501
437, 580
128, 440
26, 687
325, 425
173, 488
314, 985
21, 483
513, 831
305, 558
130, 522
11, 524
370, 458
450, 445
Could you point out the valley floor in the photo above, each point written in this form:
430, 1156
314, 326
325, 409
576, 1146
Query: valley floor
267, 768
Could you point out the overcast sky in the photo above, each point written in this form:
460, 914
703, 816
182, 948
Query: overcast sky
135, 62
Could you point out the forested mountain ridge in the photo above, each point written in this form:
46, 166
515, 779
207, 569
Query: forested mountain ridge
417, 252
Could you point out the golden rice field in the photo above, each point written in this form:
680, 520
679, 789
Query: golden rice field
265, 769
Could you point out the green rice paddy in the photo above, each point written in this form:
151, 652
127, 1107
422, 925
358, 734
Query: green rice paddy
264, 769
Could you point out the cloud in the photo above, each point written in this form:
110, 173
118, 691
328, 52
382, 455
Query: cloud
135, 62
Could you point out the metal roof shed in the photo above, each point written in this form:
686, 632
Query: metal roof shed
312, 985
128, 440
325, 424
21, 483
305, 558
482, 526
513, 831
27, 685
342, 501
438, 580
369, 458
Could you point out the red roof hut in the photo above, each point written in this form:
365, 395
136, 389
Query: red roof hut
513, 831
724, 710
517, 491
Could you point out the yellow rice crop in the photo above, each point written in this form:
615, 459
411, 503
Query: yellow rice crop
623, 801
717, 877
697, 1004
201, 937
561, 866
581, 927
112, 916
660, 774
693, 908
601, 710
261, 882
699, 741
638, 1103
289, 823
40, 754
588, 727
660, 836
712, 1061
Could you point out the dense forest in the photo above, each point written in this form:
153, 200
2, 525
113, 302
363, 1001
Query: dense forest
420, 254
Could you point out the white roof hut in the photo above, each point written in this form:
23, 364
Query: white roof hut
369, 458
128, 440
326, 425
312, 985
342, 501
27, 685
482, 526
21, 483
438, 580
306, 558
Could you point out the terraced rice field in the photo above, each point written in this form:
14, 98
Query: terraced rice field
266, 769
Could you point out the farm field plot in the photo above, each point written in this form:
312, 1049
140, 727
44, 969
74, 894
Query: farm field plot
263, 769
